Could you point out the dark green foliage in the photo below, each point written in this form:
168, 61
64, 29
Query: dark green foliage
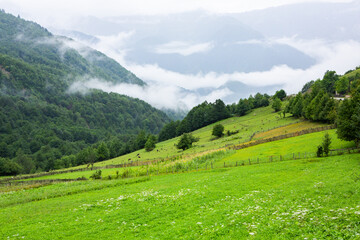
203, 115
276, 104
150, 143
320, 151
281, 94
141, 140
307, 86
9, 167
316, 105
326, 144
102, 152
329, 80
348, 120
342, 85
218, 130
96, 175
168, 131
296, 106
243, 107
186, 141
39, 116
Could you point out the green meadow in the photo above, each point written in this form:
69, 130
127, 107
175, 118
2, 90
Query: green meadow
313, 198
207, 192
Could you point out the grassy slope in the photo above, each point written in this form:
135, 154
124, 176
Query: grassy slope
286, 147
353, 73
261, 119
304, 144
315, 198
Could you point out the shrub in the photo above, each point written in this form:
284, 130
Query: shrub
319, 151
326, 144
186, 141
96, 175
218, 130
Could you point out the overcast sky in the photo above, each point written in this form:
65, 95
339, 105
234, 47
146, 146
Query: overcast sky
59, 13
166, 84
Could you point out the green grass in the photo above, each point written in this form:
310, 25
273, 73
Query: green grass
314, 198
287, 147
260, 119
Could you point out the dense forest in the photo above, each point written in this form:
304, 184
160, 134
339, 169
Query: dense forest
42, 125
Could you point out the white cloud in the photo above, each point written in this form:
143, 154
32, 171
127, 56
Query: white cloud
338, 56
159, 96
183, 48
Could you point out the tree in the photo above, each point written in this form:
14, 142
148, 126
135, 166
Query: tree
329, 80
9, 167
326, 144
218, 130
319, 151
150, 143
276, 104
102, 152
243, 107
281, 94
297, 105
342, 85
141, 140
348, 119
186, 141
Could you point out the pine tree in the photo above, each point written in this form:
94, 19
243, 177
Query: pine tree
326, 144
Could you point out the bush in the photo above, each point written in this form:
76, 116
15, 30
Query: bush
218, 130
96, 175
319, 151
150, 143
326, 144
186, 141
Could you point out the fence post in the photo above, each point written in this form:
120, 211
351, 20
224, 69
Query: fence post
258, 160
249, 162
224, 164
236, 163
294, 156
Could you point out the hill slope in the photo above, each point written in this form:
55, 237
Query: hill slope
40, 120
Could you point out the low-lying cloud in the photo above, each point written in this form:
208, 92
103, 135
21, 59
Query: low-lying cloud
159, 96
183, 48
169, 89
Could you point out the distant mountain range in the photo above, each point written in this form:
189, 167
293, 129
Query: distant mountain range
195, 44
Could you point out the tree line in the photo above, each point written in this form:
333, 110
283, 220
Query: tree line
208, 113
316, 102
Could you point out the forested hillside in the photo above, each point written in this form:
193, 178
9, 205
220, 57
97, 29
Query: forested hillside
41, 121
316, 101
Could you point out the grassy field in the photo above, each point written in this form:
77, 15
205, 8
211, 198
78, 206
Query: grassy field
297, 127
261, 119
305, 144
314, 198
192, 194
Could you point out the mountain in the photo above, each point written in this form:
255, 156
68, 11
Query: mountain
194, 42
332, 21
41, 120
